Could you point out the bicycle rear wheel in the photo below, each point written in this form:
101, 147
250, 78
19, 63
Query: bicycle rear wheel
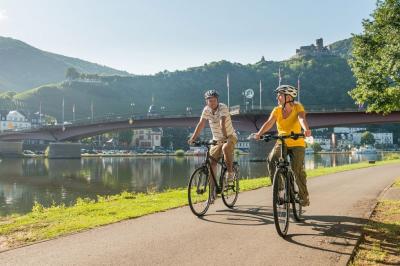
280, 201
199, 191
230, 190
295, 199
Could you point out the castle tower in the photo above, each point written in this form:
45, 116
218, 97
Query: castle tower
320, 44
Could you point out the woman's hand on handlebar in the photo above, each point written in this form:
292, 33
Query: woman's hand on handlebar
190, 141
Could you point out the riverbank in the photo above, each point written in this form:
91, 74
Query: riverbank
129, 155
45, 223
332, 152
380, 242
186, 154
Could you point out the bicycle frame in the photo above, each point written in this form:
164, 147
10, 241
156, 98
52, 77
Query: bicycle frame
207, 165
283, 163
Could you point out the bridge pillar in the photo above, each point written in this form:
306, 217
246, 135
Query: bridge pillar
11, 148
259, 150
61, 150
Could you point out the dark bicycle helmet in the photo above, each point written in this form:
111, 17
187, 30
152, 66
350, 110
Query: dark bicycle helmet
211, 93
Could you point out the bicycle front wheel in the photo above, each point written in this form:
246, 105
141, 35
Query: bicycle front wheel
280, 201
230, 190
199, 191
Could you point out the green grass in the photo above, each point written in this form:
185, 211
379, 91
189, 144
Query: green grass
392, 156
380, 244
45, 223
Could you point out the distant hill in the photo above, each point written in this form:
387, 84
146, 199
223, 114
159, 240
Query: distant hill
325, 81
23, 67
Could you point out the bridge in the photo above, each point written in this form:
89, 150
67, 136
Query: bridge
245, 120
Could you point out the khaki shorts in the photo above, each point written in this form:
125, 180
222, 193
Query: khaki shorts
216, 150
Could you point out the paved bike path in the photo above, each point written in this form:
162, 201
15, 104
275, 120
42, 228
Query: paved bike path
340, 203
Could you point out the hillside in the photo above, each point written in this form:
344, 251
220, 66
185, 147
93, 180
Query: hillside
23, 67
324, 82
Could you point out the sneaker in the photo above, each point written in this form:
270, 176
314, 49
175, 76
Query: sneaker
230, 177
281, 201
212, 200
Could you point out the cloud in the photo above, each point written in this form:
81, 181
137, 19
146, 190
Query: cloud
3, 15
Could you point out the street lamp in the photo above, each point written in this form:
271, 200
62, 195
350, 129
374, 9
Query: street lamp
133, 107
162, 108
188, 110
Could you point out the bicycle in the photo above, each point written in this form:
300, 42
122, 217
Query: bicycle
285, 190
200, 195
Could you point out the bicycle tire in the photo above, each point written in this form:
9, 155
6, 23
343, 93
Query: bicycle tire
280, 202
233, 186
198, 190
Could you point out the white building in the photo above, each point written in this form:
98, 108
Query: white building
13, 120
383, 138
348, 129
147, 138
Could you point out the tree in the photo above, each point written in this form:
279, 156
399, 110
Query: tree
367, 138
376, 59
72, 73
177, 136
125, 136
316, 147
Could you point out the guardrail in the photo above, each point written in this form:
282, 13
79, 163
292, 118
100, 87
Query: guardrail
234, 110
239, 109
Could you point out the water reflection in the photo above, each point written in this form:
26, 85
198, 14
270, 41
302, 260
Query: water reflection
24, 181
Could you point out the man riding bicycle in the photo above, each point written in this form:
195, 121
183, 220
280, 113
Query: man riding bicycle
289, 117
222, 130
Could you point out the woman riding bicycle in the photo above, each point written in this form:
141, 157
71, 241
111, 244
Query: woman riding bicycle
289, 117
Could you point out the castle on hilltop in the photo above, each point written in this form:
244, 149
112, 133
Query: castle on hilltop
314, 50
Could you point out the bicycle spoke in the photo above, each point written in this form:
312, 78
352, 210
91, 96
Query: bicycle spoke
231, 189
199, 192
280, 203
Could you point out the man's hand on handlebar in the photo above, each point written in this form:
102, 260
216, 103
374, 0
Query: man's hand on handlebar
255, 136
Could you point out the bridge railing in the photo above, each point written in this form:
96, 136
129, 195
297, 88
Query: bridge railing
234, 110
121, 117
241, 109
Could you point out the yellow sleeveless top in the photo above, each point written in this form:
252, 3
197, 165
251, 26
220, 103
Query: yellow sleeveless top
290, 124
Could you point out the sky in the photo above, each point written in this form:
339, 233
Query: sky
149, 36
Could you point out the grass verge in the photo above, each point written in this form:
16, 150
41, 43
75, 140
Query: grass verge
45, 223
380, 244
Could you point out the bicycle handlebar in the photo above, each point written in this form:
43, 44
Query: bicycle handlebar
269, 137
207, 143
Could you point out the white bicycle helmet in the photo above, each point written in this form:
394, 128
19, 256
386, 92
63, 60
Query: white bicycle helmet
287, 89
211, 93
